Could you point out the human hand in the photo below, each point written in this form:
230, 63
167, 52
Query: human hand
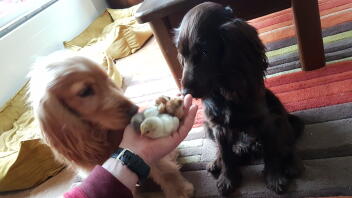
151, 150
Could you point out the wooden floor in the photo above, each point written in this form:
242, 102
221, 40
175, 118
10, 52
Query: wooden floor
146, 75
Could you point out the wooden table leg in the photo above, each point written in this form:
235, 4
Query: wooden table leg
168, 48
308, 30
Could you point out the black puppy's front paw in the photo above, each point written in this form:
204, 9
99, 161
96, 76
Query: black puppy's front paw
294, 171
214, 168
277, 183
295, 168
226, 185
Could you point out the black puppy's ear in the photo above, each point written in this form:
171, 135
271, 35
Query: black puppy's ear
239, 31
242, 40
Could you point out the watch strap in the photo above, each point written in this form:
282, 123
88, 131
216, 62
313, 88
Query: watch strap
133, 162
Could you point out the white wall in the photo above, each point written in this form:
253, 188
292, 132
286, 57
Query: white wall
42, 34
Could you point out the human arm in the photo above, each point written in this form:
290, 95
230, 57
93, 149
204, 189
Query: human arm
151, 150
118, 178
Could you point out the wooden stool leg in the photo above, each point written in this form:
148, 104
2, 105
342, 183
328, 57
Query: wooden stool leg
168, 48
308, 30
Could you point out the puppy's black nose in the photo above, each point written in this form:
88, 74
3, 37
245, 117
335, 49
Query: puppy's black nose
186, 91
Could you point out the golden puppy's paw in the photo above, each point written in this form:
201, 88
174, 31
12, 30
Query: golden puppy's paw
186, 191
189, 189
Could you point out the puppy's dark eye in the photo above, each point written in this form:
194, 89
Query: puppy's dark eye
85, 92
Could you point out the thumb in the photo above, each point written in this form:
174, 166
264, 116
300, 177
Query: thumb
184, 129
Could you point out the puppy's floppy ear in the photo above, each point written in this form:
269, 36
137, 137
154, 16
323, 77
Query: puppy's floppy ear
241, 40
70, 136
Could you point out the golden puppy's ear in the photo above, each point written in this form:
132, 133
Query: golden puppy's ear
58, 125
69, 136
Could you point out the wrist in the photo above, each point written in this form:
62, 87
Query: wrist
140, 152
144, 156
121, 172
133, 162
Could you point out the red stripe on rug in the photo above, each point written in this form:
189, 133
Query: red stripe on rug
334, 197
306, 75
282, 16
198, 121
302, 90
335, 9
286, 15
323, 5
319, 102
312, 82
290, 31
334, 88
290, 22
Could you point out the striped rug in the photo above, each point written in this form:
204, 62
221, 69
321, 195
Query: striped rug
322, 98
328, 86
301, 90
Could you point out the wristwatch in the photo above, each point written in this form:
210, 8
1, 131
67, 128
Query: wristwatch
133, 162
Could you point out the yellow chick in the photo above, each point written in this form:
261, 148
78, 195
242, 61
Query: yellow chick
159, 126
160, 120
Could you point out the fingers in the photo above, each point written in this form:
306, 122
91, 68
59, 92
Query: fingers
189, 119
129, 128
184, 129
177, 137
187, 102
171, 142
154, 149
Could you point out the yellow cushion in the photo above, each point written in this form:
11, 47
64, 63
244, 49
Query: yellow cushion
113, 35
12, 110
93, 31
24, 160
121, 14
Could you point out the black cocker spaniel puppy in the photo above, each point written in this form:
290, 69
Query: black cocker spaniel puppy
224, 64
